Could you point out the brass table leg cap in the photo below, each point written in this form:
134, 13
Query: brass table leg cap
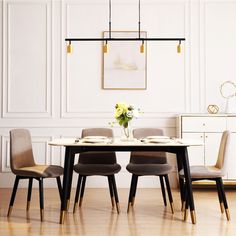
62, 217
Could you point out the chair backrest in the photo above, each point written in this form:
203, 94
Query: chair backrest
97, 157
147, 157
21, 153
223, 154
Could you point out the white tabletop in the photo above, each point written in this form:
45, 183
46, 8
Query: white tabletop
122, 142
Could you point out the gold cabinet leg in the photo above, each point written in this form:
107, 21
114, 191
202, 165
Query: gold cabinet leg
133, 200
185, 214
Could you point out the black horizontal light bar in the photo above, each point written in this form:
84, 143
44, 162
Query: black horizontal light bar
124, 39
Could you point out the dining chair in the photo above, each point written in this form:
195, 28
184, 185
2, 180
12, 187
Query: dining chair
212, 173
149, 164
97, 163
24, 167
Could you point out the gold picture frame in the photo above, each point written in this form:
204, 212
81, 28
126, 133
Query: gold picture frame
124, 67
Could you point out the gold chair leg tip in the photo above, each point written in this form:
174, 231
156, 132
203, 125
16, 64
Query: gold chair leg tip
227, 214
172, 207
62, 217
28, 206
222, 209
9, 211
42, 214
129, 205
193, 217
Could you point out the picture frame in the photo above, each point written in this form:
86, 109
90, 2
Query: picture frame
124, 67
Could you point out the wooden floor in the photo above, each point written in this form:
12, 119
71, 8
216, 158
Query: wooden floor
96, 217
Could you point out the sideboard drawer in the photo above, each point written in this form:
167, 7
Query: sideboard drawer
203, 124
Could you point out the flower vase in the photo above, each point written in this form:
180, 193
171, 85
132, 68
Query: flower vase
128, 132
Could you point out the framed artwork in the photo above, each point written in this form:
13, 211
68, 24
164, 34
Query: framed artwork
124, 67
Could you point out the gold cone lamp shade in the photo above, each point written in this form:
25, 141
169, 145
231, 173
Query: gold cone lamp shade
69, 48
179, 48
142, 48
105, 48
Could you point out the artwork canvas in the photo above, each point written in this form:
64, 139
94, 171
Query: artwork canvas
124, 67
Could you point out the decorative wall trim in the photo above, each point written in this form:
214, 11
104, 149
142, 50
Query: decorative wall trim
7, 111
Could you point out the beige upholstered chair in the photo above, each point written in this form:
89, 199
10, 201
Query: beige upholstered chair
149, 163
214, 173
97, 163
24, 167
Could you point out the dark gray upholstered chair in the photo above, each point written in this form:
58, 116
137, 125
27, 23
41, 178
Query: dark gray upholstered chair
214, 173
149, 163
97, 163
24, 167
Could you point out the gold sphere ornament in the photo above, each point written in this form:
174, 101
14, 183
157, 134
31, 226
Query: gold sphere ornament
212, 109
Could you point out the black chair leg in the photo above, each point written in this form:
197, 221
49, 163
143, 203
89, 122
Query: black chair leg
222, 209
169, 193
115, 193
29, 193
13, 195
111, 191
224, 198
135, 189
59, 186
163, 189
82, 190
131, 192
41, 199
77, 192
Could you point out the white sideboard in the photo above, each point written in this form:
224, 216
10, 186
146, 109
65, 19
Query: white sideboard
208, 128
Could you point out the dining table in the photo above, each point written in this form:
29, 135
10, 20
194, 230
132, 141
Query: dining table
177, 146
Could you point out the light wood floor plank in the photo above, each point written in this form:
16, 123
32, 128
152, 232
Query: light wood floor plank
149, 216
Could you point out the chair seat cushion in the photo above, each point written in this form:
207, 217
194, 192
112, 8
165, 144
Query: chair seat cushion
97, 169
44, 171
149, 169
203, 172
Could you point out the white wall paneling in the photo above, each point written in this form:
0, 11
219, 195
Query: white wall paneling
218, 50
27, 83
56, 95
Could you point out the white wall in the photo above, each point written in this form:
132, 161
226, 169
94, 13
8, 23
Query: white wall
55, 94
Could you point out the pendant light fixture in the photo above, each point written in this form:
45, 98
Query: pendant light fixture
110, 38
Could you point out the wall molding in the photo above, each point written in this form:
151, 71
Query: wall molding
7, 110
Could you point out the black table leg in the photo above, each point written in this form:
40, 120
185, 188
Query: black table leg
67, 178
181, 181
188, 184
